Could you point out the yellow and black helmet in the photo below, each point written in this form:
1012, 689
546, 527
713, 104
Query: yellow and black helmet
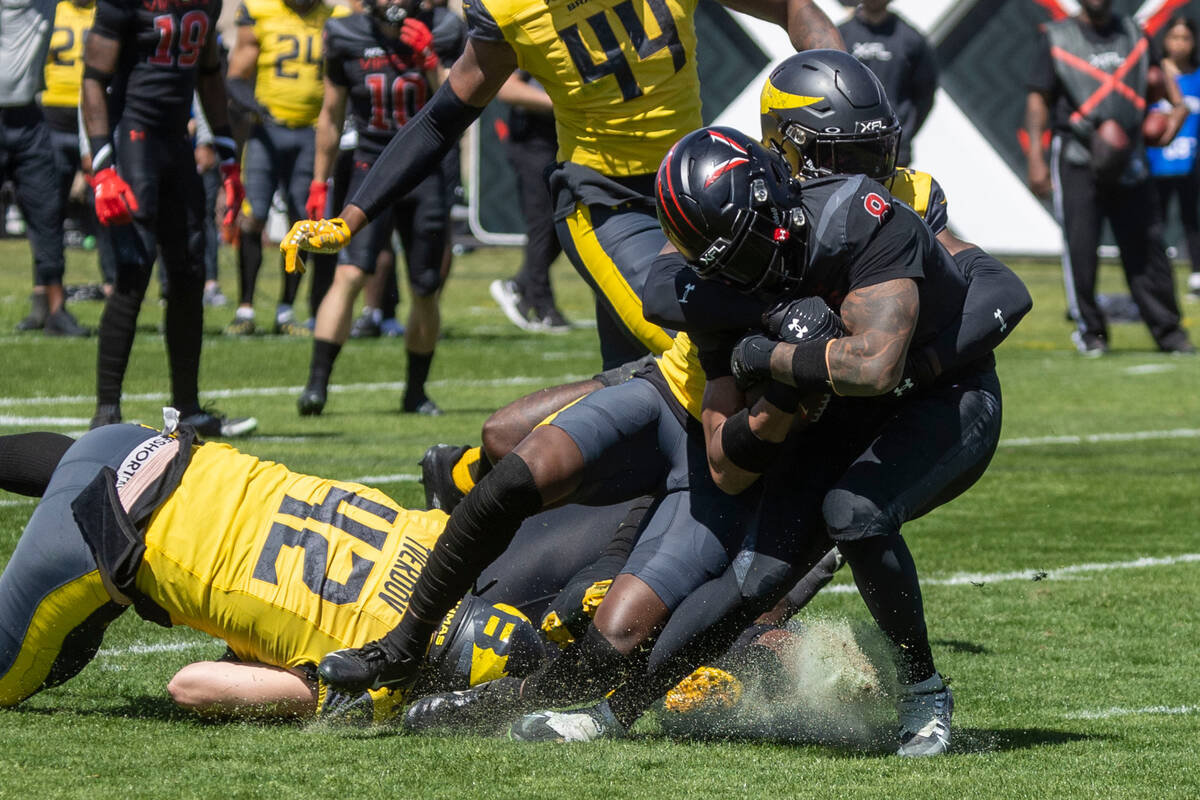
479, 642
827, 113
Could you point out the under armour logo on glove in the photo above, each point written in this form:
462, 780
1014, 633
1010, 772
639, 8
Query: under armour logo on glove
809, 319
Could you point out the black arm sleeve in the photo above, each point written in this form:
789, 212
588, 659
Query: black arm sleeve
924, 82
996, 301
241, 95
112, 19
416, 151
675, 297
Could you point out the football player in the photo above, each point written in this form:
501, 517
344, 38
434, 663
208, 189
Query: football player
60, 105
383, 63
624, 86
281, 566
275, 76
141, 65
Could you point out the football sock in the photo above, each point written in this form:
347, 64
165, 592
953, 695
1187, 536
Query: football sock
183, 323
465, 473
284, 313
249, 261
118, 323
291, 286
588, 669
479, 530
322, 266
27, 460
418, 372
887, 580
324, 353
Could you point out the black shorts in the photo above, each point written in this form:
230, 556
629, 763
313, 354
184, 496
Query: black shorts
277, 157
882, 464
419, 218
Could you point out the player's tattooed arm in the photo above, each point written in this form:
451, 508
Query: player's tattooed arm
869, 361
881, 319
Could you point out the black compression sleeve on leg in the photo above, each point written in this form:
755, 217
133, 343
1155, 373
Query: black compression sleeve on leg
249, 261
415, 151
27, 460
479, 530
887, 580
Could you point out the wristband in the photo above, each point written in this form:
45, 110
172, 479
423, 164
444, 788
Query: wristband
742, 448
224, 144
808, 366
99, 76
102, 152
785, 398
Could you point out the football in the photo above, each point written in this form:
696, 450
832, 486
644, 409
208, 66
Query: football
1154, 129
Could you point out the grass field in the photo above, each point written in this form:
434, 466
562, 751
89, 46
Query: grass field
1061, 591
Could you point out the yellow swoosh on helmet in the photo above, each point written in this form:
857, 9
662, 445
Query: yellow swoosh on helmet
773, 97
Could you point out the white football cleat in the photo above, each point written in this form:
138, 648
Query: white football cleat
925, 710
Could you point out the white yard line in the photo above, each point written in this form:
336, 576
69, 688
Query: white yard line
1109, 713
1100, 438
273, 391
143, 649
979, 578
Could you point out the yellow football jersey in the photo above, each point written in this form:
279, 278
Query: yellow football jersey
288, 81
64, 62
284, 567
621, 73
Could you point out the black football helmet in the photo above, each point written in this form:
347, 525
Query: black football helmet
479, 642
391, 12
726, 203
827, 113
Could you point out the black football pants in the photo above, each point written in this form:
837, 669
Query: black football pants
1082, 205
529, 159
27, 157
161, 170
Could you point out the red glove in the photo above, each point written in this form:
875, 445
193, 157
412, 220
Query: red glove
416, 35
318, 195
235, 193
115, 202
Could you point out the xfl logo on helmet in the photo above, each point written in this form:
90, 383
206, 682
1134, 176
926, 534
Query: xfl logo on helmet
869, 126
876, 206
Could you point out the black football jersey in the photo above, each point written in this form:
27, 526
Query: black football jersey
386, 87
162, 43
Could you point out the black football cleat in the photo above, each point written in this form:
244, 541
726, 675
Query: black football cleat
311, 402
216, 425
486, 706
437, 476
355, 670
105, 415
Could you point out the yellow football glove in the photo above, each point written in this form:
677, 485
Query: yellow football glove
315, 236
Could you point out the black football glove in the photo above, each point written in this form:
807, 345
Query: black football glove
809, 319
750, 361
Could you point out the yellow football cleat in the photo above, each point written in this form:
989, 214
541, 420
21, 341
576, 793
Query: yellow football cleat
707, 689
315, 236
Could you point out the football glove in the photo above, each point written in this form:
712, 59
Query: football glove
315, 236
417, 35
235, 193
318, 196
751, 360
115, 201
372, 707
809, 319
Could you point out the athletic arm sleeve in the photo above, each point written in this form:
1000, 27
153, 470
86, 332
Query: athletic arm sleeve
675, 297
924, 82
416, 151
995, 302
1041, 69
112, 19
